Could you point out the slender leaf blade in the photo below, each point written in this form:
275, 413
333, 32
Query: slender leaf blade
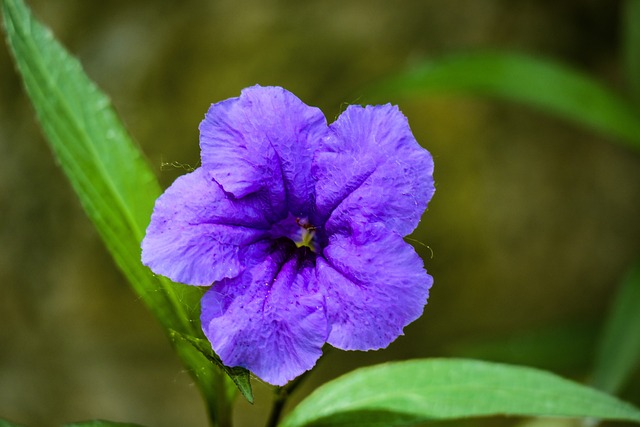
5, 423
108, 172
405, 393
619, 348
541, 83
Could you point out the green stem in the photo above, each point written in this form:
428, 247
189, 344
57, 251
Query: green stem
278, 405
280, 399
283, 393
220, 413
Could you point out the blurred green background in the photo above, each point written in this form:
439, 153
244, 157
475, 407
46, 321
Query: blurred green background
534, 222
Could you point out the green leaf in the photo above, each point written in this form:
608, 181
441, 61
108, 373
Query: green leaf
240, 376
5, 423
110, 176
101, 423
115, 186
619, 349
548, 85
405, 393
631, 45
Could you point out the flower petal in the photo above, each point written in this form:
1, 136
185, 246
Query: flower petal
375, 285
264, 139
270, 319
198, 234
371, 169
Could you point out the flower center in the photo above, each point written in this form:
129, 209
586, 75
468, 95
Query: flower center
299, 230
308, 234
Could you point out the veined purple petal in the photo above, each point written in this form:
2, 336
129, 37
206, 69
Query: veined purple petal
371, 169
198, 234
274, 176
265, 139
375, 285
271, 319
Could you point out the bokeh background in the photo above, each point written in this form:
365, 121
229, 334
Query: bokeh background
534, 222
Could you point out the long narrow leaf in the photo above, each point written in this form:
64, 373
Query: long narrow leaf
619, 348
107, 171
115, 186
541, 83
406, 393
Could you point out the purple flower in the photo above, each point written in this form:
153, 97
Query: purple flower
301, 226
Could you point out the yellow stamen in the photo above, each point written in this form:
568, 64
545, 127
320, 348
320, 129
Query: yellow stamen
307, 239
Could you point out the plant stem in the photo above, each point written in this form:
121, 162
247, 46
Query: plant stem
278, 406
222, 415
283, 393
281, 396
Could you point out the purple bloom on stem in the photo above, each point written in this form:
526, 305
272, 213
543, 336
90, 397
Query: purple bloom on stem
301, 226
